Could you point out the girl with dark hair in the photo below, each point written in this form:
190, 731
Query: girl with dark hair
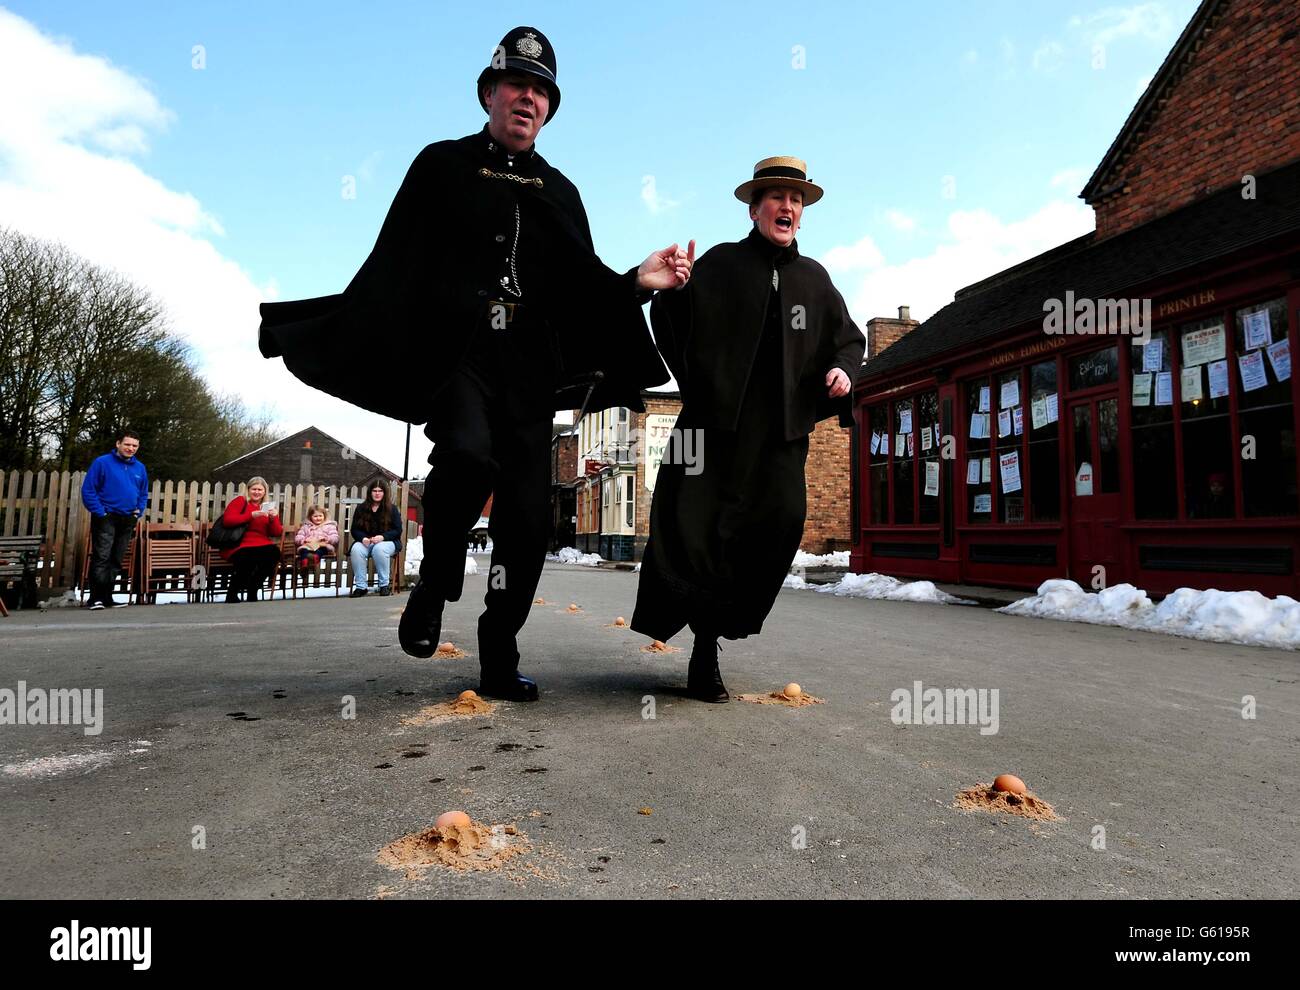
376, 535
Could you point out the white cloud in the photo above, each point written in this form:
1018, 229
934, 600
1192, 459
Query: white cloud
1149, 21
1142, 85
854, 257
1070, 179
900, 221
1049, 56
71, 130
977, 244
655, 201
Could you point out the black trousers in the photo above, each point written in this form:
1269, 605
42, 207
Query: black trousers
491, 429
109, 536
253, 565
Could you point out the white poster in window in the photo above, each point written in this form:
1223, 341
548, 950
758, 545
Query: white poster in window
1253, 375
1010, 394
911, 448
926, 441
1258, 330
875, 442
1009, 467
884, 445
1204, 346
932, 477
1038, 412
986, 470
905, 421
1142, 388
1190, 384
1053, 413
1218, 379
973, 471
1164, 388
975, 426
983, 503
658, 430
900, 444
1153, 355
1018, 420
1004, 424
1083, 479
984, 398
1279, 356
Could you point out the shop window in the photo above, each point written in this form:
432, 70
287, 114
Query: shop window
904, 443
1155, 474
980, 424
1009, 464
1265, 410
1096, 368
928, 447
1044, 443
1204, 385
878, 471
1108, 445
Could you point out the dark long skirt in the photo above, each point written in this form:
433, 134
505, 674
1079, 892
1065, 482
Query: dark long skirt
721, 541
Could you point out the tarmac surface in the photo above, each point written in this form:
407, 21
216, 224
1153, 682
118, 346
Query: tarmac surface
177, 797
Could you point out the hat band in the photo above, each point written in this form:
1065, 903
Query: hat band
780, 171
545, 71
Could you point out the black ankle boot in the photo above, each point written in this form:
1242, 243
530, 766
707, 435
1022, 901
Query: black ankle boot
421, 621
703, 678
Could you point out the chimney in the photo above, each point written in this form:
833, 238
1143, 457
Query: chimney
882, 331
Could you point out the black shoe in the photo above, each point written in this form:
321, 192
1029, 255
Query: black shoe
232, 597
510, 687
421, 622
385, 591
250, 595
359, 592
96, 606
115, 604
703, 678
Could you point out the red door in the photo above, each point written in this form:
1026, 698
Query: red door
1094, 491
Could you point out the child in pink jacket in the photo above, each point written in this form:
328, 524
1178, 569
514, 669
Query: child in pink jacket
315, 538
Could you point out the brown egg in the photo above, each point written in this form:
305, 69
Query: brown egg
1008, 782
539, 601
573, 606
452, 819
792, 690
620, 621
446, 648
466, 696
658, 645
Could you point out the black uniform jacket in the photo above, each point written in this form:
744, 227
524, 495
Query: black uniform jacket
709, 332
434, 269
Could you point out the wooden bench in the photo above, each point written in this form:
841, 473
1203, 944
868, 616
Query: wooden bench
18, 559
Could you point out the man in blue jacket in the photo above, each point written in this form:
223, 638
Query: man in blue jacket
116, 491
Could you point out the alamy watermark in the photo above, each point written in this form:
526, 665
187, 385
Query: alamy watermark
1129, 317
57, 706
946, 706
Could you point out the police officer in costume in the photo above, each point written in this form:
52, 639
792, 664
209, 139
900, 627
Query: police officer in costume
485, 276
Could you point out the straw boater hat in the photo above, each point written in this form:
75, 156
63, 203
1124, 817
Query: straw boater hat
780, 171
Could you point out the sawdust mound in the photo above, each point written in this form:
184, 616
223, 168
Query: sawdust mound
982, 797
447, 710
778, 698
455, 653
468, 848
658, 648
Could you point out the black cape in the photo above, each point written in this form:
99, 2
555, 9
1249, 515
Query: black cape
713, 325
429, 280
753, 372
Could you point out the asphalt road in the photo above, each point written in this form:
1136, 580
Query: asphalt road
1138, 733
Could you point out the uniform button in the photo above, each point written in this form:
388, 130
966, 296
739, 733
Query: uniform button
482, 292
500, 238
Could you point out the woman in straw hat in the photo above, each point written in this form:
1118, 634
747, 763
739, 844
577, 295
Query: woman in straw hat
762, 347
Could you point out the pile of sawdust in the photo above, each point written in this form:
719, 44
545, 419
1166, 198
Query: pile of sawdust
447, 710
539, 601
660, 648
982, 797
779, 698
465, 848
455, 653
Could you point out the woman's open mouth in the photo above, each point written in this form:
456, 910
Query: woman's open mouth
785, 223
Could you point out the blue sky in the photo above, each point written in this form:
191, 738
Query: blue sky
952, 139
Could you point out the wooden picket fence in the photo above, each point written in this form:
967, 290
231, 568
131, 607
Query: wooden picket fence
50, 505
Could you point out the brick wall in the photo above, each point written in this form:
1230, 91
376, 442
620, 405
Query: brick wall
827, 526
882, 331
1236, 110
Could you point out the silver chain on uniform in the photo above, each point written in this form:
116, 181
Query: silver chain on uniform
511, 282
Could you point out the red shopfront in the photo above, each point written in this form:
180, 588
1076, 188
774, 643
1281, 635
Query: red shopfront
1032, 456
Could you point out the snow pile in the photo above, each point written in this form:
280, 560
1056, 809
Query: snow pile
571, 555
1245, 617
840, 559
878, 586
415, 554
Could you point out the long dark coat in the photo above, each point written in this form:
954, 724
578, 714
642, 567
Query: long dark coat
429, 280
751, 357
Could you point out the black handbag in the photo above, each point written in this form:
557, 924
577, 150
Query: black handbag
223, 537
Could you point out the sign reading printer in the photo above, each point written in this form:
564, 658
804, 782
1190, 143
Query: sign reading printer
57, 706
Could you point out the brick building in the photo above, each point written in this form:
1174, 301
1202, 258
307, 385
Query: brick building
1144, 429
